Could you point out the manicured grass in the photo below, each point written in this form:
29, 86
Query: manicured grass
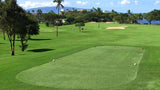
44, 47
94, 68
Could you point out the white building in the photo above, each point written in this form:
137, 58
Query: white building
105, 11
62, 10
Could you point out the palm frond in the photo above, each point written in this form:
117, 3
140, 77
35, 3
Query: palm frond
62, 6
58, 5
94, 9
54, 1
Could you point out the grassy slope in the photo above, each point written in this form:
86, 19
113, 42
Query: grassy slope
93, 68
71, 41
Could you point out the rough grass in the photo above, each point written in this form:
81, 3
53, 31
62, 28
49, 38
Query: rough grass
72, 41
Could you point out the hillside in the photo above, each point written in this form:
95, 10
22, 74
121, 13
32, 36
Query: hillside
48, 9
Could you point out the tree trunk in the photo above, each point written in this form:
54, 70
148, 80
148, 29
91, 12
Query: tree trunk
57, 31
12, 51
11, 44
58, 23
99, 25
79, 28
4, 37
22, 48
14, 36
29, 37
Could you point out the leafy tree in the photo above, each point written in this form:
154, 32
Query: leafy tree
49, 17
121, 18
80, 25
153, 15
33, 11
59, 4
32, 24
29, 26
11, 20
70, 20
113, 14
84, 11
106, 17
1, 12
15, 21
134, 17
22, 31
92, 17
79, 19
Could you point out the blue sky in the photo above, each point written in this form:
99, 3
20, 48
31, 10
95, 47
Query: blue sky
136, 6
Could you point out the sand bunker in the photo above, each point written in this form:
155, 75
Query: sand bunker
120, 27
109, 22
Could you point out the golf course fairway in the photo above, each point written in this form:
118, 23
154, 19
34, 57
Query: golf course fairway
94, 68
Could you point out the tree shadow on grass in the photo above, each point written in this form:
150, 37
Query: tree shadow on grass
2, 43
39, 39
40, 50
36, 39
17, 40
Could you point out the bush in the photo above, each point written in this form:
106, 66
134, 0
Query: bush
58, 23
66, 23
79, 25
47, 24
70, 20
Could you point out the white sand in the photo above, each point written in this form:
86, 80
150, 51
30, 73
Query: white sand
109, 22
120, 27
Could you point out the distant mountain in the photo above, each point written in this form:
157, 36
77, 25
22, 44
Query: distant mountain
48, 9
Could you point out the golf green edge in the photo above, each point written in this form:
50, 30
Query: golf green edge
94, 68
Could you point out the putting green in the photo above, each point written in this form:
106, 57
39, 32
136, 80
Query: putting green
93, 68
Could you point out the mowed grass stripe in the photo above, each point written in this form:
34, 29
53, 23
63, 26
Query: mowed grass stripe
93, 68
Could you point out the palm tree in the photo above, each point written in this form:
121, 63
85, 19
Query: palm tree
39, 14
33, 12
98, 13
113, 14
129, 16
129, 12
73, 9
59, 4
136, 17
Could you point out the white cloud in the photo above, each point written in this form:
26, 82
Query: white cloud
111, 3
98, 3
29, 4
157, 2
82, 3
136, 2
123, 2
66, 3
